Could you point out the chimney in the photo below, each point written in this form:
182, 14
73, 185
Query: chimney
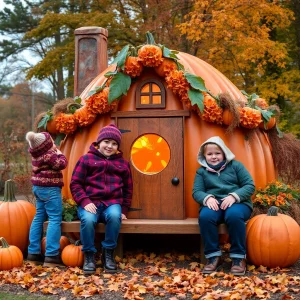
91, 56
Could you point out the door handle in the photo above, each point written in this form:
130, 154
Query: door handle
175, 181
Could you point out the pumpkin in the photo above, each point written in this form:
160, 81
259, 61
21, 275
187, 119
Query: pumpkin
254, 153
15, 218
10, 256
64, 241
227, 117
273, 239
270, 124
72, 256
51, 126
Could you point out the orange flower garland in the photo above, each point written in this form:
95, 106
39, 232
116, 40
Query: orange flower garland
212, 111
98, 103
168, 65
150, 55
249, 117
133, 67
177, 83
262, 103
66, 123
84, 117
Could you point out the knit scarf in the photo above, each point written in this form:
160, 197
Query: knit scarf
218, 166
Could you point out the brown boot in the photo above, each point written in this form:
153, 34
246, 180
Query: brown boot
212, 265
238, 266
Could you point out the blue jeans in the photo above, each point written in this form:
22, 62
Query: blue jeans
110, 216
234, 217
48, 203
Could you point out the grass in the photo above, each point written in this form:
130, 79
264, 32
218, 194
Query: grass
10, 296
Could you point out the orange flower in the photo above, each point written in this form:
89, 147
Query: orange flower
262, 103
249, 117
168, 65
177, 83
84, 117
98, 103
66, 123
133, 67
150, 55
212, 111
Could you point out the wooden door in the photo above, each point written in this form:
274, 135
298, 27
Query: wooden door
155, 194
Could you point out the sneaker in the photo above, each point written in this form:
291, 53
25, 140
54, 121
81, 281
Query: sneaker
53, 261
212, 265
238, 266
36, 259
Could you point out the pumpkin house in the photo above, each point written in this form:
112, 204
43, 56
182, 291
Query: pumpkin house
166, 104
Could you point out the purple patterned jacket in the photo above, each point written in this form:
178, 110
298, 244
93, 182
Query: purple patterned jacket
47, 166
97, 179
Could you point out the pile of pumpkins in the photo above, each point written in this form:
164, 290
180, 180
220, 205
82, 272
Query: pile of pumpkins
273, 240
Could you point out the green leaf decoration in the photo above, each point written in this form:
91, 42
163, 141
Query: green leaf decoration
267, 115
119, 86
253, 97
244, 93
110, 73
197, 98
169, 53
180, 66
121, 57
279, 132
43, 122
196, 82
59, 138
98, 89
77, 100
149, 38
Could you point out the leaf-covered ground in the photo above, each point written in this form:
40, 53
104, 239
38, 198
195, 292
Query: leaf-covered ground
151, 276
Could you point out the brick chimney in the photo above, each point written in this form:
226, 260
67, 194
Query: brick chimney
90, 55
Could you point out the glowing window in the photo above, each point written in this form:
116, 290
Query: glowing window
150, 94
150, 154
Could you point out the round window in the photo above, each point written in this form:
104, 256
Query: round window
150, 154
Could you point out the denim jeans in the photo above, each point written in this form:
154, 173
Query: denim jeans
48, 203
234, 217
110, 216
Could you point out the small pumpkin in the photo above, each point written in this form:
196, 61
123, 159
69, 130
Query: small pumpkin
273, 239
72, 256
10, 256
227, 117
51, 126
64, 241
270, 124
15, 217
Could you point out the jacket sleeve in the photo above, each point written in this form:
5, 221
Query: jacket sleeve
77, 184
127, 191
55, 161
199, 190
246, 183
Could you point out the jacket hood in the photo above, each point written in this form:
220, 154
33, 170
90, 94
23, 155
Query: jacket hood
94, 150
218, 141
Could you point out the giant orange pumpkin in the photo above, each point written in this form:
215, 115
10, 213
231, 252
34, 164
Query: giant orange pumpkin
15, 218
273, 240
254, 153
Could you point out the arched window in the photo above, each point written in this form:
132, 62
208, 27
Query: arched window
150, 94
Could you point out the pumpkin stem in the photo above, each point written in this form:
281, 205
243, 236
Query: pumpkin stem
4, 242
9, 191
77, 243
273, 211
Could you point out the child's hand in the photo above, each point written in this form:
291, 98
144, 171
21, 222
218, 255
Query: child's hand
124, 217
91, 207
212, 203
58, 151
227, 202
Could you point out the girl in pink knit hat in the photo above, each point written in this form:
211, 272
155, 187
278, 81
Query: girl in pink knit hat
47, 180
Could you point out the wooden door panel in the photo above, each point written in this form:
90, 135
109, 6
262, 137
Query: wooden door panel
155, 194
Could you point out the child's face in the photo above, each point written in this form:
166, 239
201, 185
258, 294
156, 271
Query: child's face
108, 147
213, 154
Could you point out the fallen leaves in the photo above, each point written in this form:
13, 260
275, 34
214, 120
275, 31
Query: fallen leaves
158, 275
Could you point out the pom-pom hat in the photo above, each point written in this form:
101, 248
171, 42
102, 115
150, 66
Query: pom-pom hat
41, 141
110, 132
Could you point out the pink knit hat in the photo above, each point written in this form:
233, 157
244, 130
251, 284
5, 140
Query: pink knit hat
40, 140
110, 131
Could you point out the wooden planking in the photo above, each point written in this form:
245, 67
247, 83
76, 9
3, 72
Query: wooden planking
150, 113
187, 226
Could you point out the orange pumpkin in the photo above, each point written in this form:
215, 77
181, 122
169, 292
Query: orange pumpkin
72, 256
273, 240
227, 117
10, 256
270, 124
51, 126
15, 218
64, 241
254, 153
